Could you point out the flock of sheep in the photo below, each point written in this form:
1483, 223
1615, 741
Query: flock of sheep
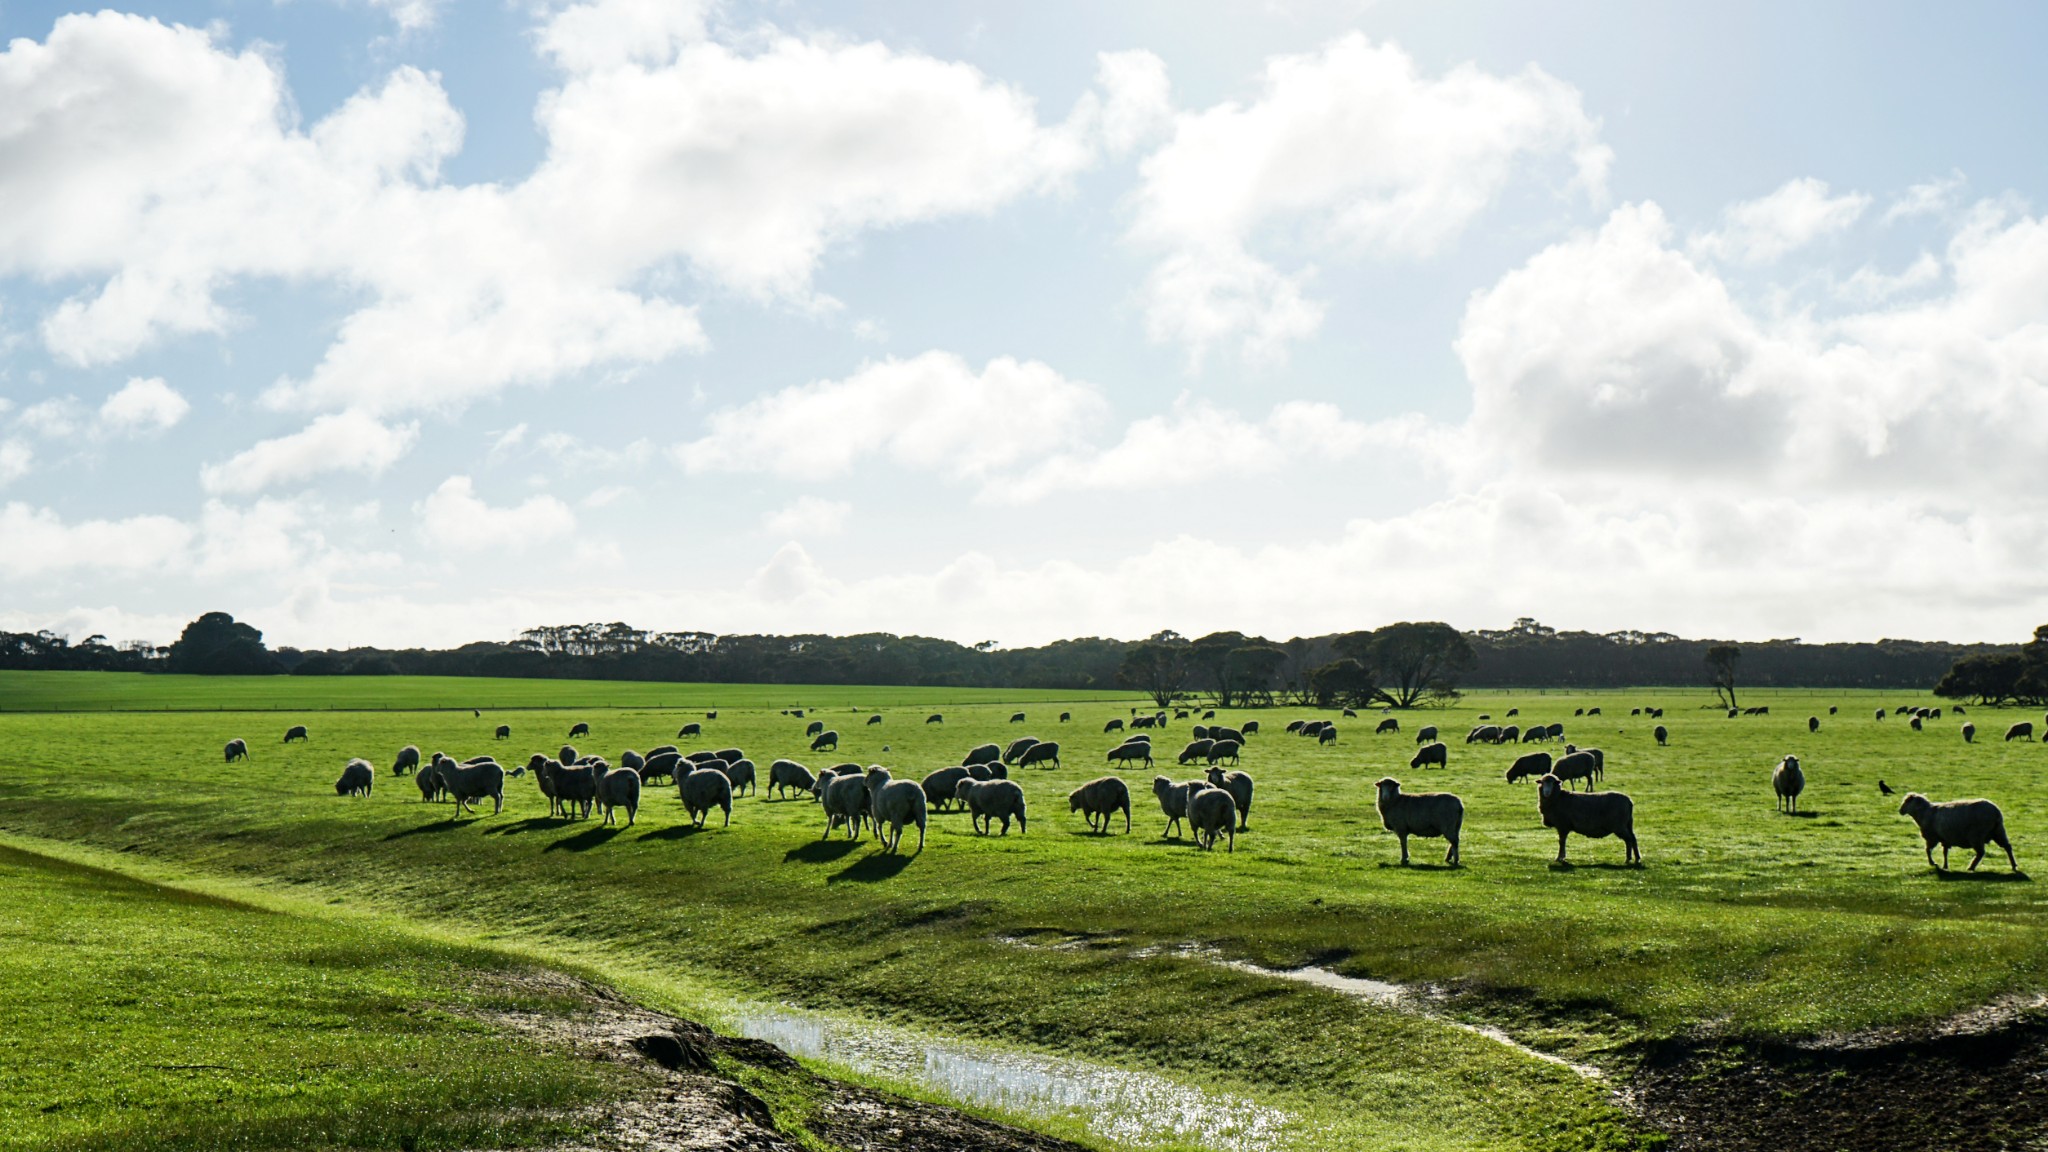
1215, 805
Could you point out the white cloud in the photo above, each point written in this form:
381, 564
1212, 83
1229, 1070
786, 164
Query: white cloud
410, 15
1934, 198
144, 404
340, 442
1347, 150
41, 544
1868, 285
1798, 213
58, 418
809, 516
1137, 100
17, 457
454, 517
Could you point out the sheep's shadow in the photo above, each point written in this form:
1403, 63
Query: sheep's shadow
448, 825
1096, 833
583, 841
1804, 814
871, 869
819, 851
1961, 875
530, 824
1421, 866
674, 832
1603, 866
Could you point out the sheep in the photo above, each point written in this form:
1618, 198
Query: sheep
576, 786
567, 754
1534, 764
1016, 717
844, 798
1180, 713
1113, 726
295, 732
236, 749
1915, 723
429, 781
1788, 782
1144, 738
1880, 713
1425, 734
1209, 715
1575, 765
1066, 716
1144, 721
992, 800
942, 788
543, 770
1958, 824
1350, 713
994, 771
1173, 800
703, 789
1578, 711
1222, 750
1662, 734
1483, 734
504, 732
1388, 725
2024, 730
620, 789
982, 754
1328, 735
895, 803
1220, 734
1957, 709
741, 773
1510, 734
1196, 750
466, 784
1595, 815
1437, 753
1432, 814
356, 779
1969, 733
1212, 811
825, 740
1812, 724
1535, 734
1631, 712
660, 765
702, 756
691, 729
1125, 753
1294, 727
1239, 785
578, 729
1050, 750
935, 718
1596, 711
797, 712
875, 719
1100, 799
1199, 732
711, 715
1248, 728
785, 775
816, 727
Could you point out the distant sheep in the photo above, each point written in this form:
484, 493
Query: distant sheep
429, 780
1880, 713
707, 788
1196, 750
711, 715
995, 771
660, 766
816, 726
1293, 727
1812, 724
1969, 733
1016, 717
691, 729
787, 775
982, 754
1144, 722
1328, 735
1388, 725
875, 719
1436, 753
1066, 716
1958, 824
1223, 751
1575, 766
356, 779
1535, 734
741, 773
1483, 734
1425, 734
407, 760
579, 729
825, 740
1509, 735
991, 800
236, 749
1349, 712
1173, 800
1915, 724
935, 718
1662, 734
504, 732
1554, 731
1199, 732
1578, 711
1239, 785
1113, 726
1596, 711
1125, 753
295, 732
1219, 734
1212, 812
1595, 815
1788, 782
2024, 730
620, 789
1209, 715
895, 803
1432, 814
466, 784
1040, 753
1535, 764
1100, 799
1513, 712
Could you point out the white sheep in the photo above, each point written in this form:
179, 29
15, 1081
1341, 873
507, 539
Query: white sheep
702, 790
1431, 814
356, 779
1788, 782
991, 800
895, 803
620, 789
1211, 812
845, 798
468, 783
1100, 799
1958, 824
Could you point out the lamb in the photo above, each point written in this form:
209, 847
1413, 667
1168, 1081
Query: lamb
825, 740
1212, 811
992, 800
1239, 785
1016, 717
1050, 750
1101, 799
1388, 725
982, 754
295, 732
504, 732
660, 766
466, 784
935, 718
1594, 815
1222, 750
1196, 750
1958, 824
816, 726
1173, 800
1534, 764
620, 789
236, 749
1425, 734
1328, 735
1017, 748
785, 775
1483, 734
1788, 782
741, 773
356, 779
1969, 733
1432, 814
1113, 726
1575, 765
2024, 730
579, 729
1436, 753
1125, 753
895, 803
942, 788
706, 788
691, 729
429, 780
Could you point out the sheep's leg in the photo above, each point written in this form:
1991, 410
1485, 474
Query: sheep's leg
1977, 859
1561, 834
1404, 847
1944, 857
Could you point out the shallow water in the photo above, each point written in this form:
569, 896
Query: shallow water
1137, 1109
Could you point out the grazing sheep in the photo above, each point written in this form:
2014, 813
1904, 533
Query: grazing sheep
1144, 738
1425, 734
1328, 735
711, 715
1554, 731
1437, 753
2024, 730
1125, 753
295, 732
1222, 750
1173, 800
894, 803
1578, 711
236, 749
1432, 814
1294, 727
1594, 815
1880, 713
1113, 726
942, 788
1536, 734
935, 718
1788, 782
1066, 716
1534, 764
504, 732
1209, 715
992, 800
741, 773
429, 780
1596, 711
659, 749
825, 740
617, 790
706, 788
1144, 721
1484, 734
1388, 725
1575, 765
660, 766
1662, 734
1315, 727
1632, 712
731, 755
356, 779
579, 729
1482, 716
1017, 748
1915, 724
1100, 799
632, 760
691, 729
1180, 713
1969, 733
982, 754
1958, 824
1196, 750
875, 719
1016, 717
1220, 734
1199, 732
1510, 735
1212, 811
1050, 750
1957, 709
784, 775
703, 756
994, 771
1812, 724
1239, 785
816, 726
466, 784
797, 712
1350, 713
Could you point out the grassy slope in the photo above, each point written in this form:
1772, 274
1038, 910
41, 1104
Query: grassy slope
103, 691
1743, 919
143, 1017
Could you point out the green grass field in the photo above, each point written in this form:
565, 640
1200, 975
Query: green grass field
1742, 921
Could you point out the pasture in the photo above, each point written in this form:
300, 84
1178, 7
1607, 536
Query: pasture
1743, 924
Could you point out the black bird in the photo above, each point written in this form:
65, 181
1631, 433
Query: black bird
1883, 788
474, 712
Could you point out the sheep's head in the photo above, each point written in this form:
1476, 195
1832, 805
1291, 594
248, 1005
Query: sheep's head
1160, 784
1389, 787
1915, 805
1548, 787
1074, 800
961, 789
1216, 776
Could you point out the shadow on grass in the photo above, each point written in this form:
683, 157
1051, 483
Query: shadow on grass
1805, 814
1421, 866
676, 832
1603, 866
530, 824
1966, 877
583, 841
448, 825
870, 869
819, 851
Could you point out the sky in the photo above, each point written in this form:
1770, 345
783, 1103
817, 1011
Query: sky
418, 322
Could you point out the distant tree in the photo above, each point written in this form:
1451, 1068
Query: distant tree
1345, 683
215, 645
1417, 661
1156, 667
1254, 669
1209, 660
1721, 662
1984, 679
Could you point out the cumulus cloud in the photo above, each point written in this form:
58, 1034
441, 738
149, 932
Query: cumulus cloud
17, 457
41, 544
453, 516
1932, 198
341, 442
1350, 149
809, 516
144, 404
1795, 215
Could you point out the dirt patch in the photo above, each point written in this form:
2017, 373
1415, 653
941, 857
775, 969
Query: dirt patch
685, 1090
1980, 1083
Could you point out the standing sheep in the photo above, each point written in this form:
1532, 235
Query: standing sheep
1432, 814
707, 788
1017, 748
407, 760
1219, 734
1050, 750
1958, 824
785, 775
1113, 726
1173, 800
1812, 724
1239, 785
660, 766
1125, 753
356, 779
875, 719
935, 718
992, 800
691, 729
620, 789
504, 732
1249, 728
942, 788
1484, 734
1437, 753
895, 803
1328, 735
982, 754
1425, 734
741, 773
1222, 750
295, 732
1969, 733
815, 727
578, 729
1662, 734
236, 749
1211, 812
843, 798
1101, 799
1016, 717
1595, 815
429, 781
1788, 782
466, 784
1575, 765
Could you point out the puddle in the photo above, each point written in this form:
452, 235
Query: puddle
1131, 1108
